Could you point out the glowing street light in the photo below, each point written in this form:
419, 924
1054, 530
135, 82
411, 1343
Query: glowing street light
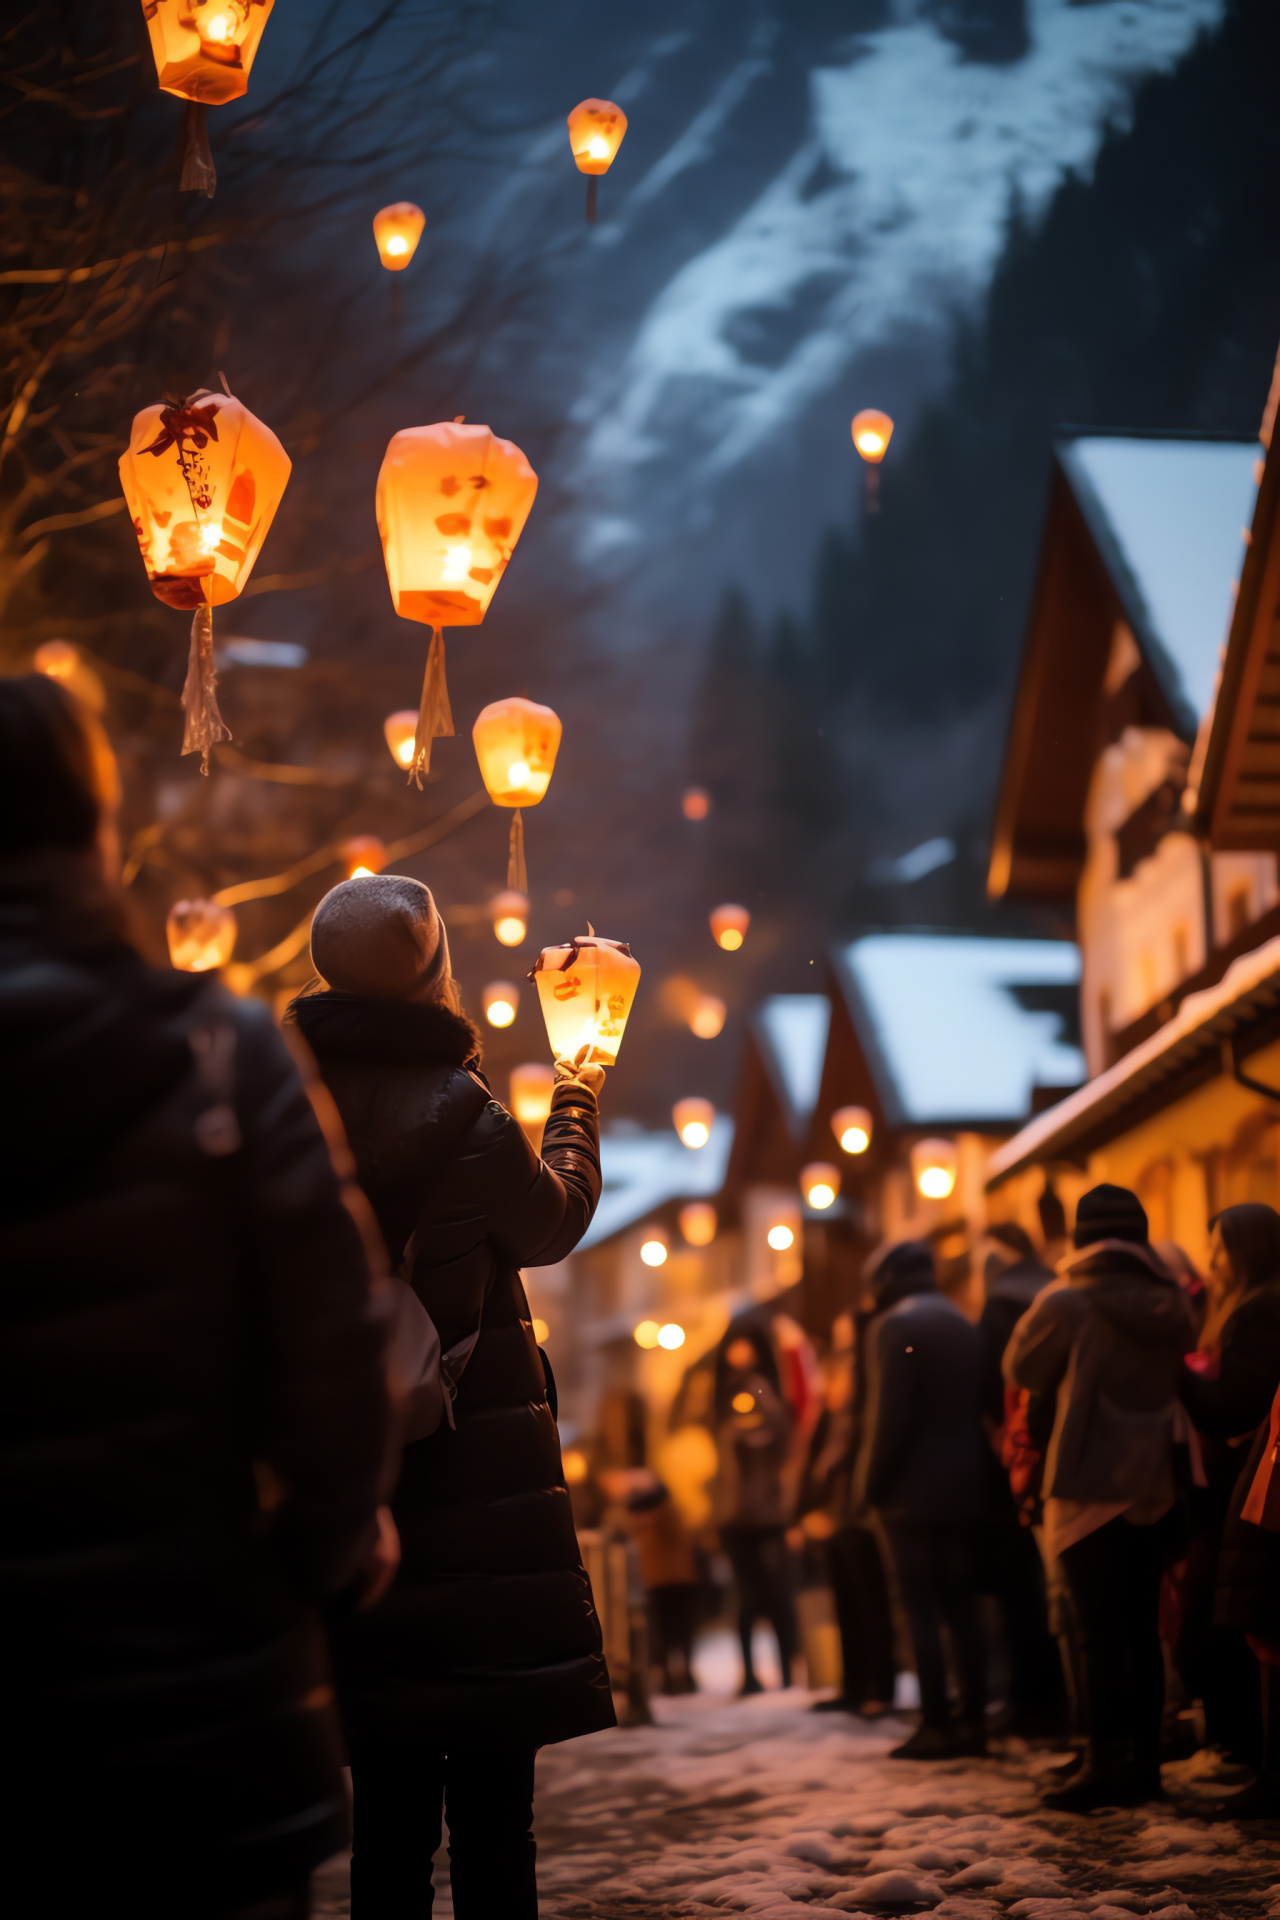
820, 1183
780, 1238
653, 1251
853, 1128
934, 1165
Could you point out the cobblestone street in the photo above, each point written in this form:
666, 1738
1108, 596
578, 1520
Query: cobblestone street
761, 1807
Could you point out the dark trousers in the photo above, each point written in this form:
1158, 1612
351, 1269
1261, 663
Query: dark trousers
1114, 1575
762, 1571
934, 1564
486, 1794
862, 1612
673, 1610
1011, 1569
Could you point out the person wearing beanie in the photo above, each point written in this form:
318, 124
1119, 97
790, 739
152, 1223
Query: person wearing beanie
195, 1400
919, 1470
1105, 1343
487, 1647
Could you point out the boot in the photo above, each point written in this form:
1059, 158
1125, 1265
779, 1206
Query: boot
1107, 1781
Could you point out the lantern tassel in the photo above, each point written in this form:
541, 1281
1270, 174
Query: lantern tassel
592, 185
517, 878
435, 716
204, 726
199, 175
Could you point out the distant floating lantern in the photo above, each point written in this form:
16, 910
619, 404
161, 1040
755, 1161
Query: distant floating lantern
397, 230
510, 911
698, 1223
201, 935
59, 660
654, 1251
646, 1333
362, 855
596, 130
531, 1088
586, 988
853, 1127
671, 1337
399, 729
934, 1166
820, 1183
202, 482
872, 432
729, 926
693, 1120
204, 51
516, 742
707, 1017
696, 804
452, 501
501, 1002
781, 1237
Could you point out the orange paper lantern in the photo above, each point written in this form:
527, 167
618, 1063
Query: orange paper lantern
586, 988
204, 49
362, 854
399, 729
397, 230
693, 1120
501, 1002
516, 742
872, 432
510, 911
853, 1128
201, 935
698, 1223
596, 130
820, 1183
729, 925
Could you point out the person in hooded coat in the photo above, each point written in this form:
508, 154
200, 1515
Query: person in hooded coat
752, 1501
193, 1402
488, 1646
1107, 1341
919, 1466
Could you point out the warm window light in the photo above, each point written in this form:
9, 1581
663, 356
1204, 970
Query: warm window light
646, 1334
671, 1336
501, 1003
362, 856
204, 49
201, 935
729, 925
780, 1238
743, 1402
586, 988
696, 804
541, 1332
820, 1183
934, 1165
531, 1088
872, 432
510, 912
698, 1223
654, 1253
397, 230
575, 1467
708, 1017
596, 129
853, 1128
399, 729
693, 1121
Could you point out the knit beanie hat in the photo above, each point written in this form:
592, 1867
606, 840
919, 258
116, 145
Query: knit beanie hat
381, 938
1110, 1213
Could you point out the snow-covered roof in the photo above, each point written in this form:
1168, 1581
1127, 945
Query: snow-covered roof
950, 1026
791, 1029
643, 1171
1169, 518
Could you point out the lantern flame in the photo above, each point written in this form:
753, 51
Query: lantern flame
518, 774
201, 935
596, 131
397, 244
934, 1166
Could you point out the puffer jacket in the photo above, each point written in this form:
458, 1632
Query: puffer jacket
193, 1420
489, 1632
1108, 1341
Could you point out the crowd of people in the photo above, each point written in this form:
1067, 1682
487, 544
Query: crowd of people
231, 1564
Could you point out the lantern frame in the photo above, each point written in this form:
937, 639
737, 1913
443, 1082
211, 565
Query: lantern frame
586, 989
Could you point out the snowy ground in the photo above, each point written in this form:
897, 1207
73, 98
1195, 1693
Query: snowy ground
764, 1808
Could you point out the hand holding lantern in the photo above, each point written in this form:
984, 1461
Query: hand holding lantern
516, 743
586, 988
596, 130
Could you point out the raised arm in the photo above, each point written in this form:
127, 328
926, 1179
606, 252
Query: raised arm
542, 1207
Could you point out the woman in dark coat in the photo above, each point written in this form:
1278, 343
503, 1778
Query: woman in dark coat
192, 1398
754, 1430
1248, 1601
488, 1646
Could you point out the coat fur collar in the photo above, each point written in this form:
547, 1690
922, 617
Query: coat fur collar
343, 1026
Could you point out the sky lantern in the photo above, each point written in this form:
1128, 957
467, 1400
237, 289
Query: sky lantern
531, 1088
397, 230
204, 51
510, 911
399, 730
202, 480
452, 501
698, 1223
872, 432
729, 925
596, 130
586, 988
707, 1016
820, 1183
781, 1236
61, 661
201, 935
516, 742
934, 1165
362, 855
501, 1002
693, 1120
853, 1128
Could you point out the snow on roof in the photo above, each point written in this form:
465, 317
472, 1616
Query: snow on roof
792, 1029
1170, 517
950, 1025
643, 1171
1201, 1023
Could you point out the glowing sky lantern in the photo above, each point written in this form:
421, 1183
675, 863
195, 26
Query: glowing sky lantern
531, 1088
452, 501
596, 130
707, 1016
516, 742
397, 230
204, 50
363, 854
693, 1120
698, 1223
586, 988
853, 1127
201, 935
202, 481
510, 914
399, 729
729, 925
872, 432
934, 1165
501, 1003
59, 660
654, 1251
820, 1183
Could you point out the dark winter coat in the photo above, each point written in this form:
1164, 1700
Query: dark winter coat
489, 1631
751, 1486
1108, 1340
1248, 1373
920, 1456
192, 1417
1008, 1293
1248, 1594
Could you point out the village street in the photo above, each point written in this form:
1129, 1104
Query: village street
762, 1807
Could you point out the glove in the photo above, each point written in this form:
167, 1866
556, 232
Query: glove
580, 1073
